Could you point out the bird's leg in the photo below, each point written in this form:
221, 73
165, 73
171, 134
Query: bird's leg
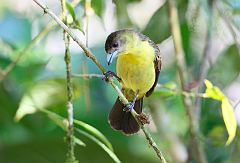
130, 105
109, 74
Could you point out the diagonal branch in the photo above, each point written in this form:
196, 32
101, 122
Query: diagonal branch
94, 59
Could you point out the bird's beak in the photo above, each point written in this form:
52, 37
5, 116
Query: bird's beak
111, 56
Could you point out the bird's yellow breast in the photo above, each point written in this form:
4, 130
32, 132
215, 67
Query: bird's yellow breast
136, 69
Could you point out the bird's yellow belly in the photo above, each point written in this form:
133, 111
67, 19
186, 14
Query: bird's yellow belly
137, 74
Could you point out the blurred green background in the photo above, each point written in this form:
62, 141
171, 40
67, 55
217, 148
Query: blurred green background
38, 79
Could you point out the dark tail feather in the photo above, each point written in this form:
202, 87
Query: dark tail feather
124, 121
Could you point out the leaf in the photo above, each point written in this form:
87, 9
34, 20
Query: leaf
227, 67
229, 120
103, 146
98, 7
227, 109
213, 91
71, 10
94, 132
79, 142
42, 95
158, 27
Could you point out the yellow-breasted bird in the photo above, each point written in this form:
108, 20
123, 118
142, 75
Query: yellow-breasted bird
138, 67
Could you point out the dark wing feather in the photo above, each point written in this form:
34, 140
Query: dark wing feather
157, 65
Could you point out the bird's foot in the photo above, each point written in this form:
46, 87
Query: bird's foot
129, 106
110, 74
143, 118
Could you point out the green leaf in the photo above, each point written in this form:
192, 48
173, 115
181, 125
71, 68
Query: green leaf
98, 7
79, 142
158, 27
227, 67
229, 120
94, 132
71, 10
103, 146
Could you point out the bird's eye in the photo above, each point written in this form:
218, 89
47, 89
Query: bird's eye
115, 44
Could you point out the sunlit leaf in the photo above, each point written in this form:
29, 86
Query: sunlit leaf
213, 91
227, 109
94, 132
43, 95
103, 146
229, 120
40, 96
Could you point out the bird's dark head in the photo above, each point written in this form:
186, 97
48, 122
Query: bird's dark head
118, 42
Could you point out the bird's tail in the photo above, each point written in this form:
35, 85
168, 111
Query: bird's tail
122, 120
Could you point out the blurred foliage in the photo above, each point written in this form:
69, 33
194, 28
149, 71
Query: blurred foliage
37, 85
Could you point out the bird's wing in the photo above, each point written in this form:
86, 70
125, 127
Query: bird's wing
157, 65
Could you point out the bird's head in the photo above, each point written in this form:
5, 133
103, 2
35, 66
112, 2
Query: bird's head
118, 43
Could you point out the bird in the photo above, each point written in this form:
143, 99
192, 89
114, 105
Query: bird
138, 67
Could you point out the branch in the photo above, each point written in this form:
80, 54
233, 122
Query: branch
94, 59
182, 70
88, 76
10, 67
70, 132
148, 136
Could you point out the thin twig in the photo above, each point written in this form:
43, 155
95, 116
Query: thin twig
184, 93
182, 70
88, 76
70, 132
94, 59
36, 39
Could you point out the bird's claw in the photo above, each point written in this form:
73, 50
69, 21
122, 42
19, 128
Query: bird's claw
129, 106
143, 118
110, 74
